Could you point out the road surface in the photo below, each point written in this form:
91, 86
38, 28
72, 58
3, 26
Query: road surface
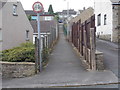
110, 52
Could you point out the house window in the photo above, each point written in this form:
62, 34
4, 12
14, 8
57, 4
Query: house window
27, 35
113, 7
99, 20
34, 17
105, 19
48, 18
14, 10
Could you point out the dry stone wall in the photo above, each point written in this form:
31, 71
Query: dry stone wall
17, 69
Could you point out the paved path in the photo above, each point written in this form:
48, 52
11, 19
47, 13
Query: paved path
64, 69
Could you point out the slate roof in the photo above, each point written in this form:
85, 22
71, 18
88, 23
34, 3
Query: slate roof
115, 1
45, 26
30, 12
86, 14
71, 12
2, 3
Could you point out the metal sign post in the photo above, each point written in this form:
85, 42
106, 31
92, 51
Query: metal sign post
37, 8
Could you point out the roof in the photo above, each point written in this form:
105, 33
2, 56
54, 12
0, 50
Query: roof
115, 1
64, 12
2, 3
31, 12
86, 14
71, 12
45, 26
7, 1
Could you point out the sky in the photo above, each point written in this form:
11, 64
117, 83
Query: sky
59, 5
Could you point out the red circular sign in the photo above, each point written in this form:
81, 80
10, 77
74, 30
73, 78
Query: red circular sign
37, 7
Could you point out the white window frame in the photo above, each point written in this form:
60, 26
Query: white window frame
15, 10
98, 19
105, 19
27, 35
48, 18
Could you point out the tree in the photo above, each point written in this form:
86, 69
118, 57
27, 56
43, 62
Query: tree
56, 16
50, 10
29, 17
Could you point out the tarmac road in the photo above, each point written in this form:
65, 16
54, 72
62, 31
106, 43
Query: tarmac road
110, 52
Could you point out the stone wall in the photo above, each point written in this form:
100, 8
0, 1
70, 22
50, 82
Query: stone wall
116, 23
17, 69
99, 60
116, 35
105, 37
98, 57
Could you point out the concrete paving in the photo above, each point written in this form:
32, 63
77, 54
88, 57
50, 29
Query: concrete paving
64, 69
98, 86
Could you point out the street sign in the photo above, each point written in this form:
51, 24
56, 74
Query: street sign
37, 7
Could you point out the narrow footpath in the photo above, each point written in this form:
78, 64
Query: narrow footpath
64, 69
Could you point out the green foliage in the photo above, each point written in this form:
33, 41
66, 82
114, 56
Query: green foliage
27, 44
24, 53
55, 13
50, 10
29, 17
65, 29
45, 54
56, 16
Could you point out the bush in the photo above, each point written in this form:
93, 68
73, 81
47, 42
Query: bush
24, 53
45, 54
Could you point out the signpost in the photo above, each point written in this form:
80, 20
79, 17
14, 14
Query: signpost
37, 8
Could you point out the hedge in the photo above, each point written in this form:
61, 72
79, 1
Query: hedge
23, 53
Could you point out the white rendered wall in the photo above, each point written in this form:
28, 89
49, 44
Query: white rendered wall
103, 7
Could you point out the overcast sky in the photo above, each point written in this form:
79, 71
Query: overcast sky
59, 5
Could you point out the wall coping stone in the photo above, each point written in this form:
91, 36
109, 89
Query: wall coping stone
98, 52
22, 63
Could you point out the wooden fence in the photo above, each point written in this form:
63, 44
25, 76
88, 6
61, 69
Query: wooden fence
83, 38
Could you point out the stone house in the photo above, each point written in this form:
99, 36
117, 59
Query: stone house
107, 14
15, 27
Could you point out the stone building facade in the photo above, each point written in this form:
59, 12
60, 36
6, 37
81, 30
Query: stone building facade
116, 22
